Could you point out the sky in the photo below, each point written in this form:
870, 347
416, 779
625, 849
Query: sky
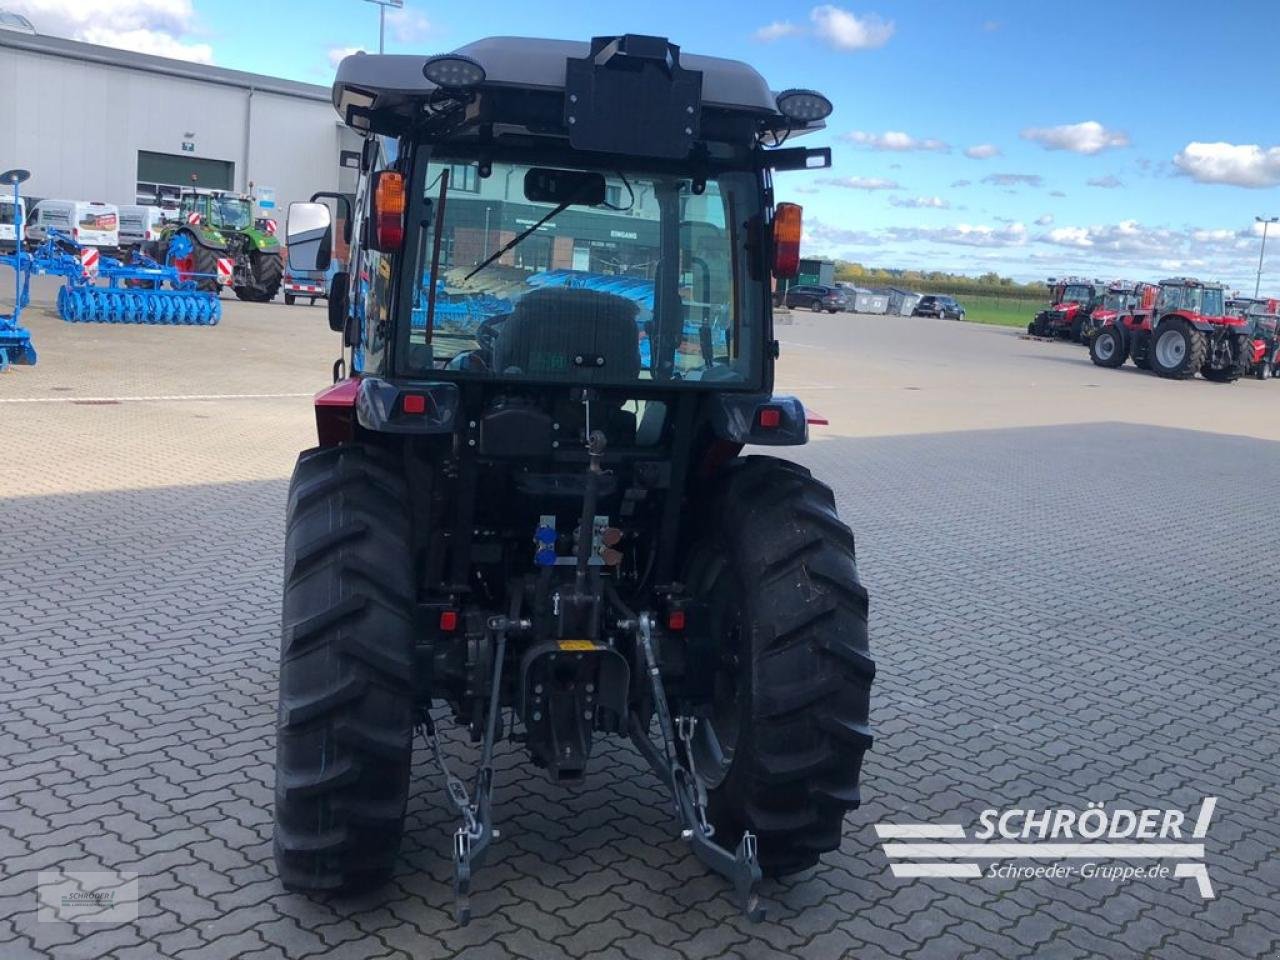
1135, 140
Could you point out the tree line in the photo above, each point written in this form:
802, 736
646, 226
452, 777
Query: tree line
990, 284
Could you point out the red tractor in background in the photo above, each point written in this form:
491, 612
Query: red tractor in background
1187, 330
1262, 318
1121, 298
1071, 300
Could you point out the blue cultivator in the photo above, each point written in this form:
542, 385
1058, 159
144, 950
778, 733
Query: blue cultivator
15, 339
135, 293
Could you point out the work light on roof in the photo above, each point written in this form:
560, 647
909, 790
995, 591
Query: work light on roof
804, 106
453, 72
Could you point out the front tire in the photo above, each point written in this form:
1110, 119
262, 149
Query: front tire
783, 749
1177, 350
1240, 356
346, 710
1107, 348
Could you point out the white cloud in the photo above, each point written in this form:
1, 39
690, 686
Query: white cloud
861, 183
1109, 182
982, 151
991, 26
408, 25
1014, 179
827, 237
965, 235
1239, 165
1088, 137
1070, 237
1130, 243
1056, 193
934, 203
847, 31
338, 54
1044, 219
157, 27
895, 140
777, 30
961, 183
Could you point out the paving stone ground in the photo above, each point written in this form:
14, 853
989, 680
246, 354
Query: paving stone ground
1078, 609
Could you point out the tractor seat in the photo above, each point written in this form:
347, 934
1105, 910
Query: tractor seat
572, 334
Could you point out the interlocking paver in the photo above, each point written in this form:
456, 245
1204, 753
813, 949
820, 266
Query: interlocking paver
1064, 610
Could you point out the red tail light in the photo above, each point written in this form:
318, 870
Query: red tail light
448, 620
786, 240
675, 620
388, 211
770, 418
414, 403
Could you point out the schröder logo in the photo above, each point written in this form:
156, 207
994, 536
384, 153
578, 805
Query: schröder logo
1096, 842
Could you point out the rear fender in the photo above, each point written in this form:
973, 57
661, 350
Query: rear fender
206, 236
262, 242
756, 418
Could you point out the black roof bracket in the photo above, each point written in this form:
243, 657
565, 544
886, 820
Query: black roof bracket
631, 95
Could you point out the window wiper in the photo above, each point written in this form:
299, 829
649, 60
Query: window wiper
520, 236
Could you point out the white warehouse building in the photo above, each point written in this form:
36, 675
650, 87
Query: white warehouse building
96, 123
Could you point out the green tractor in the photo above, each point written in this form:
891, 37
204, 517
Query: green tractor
220, 227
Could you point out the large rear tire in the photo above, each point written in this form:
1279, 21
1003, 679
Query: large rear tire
346, 711
268, 269
1177, 351
782, 751
1108, 348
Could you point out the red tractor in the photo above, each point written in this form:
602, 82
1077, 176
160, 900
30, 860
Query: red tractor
1072, 300
1263, 319
1187, 329
1120, 299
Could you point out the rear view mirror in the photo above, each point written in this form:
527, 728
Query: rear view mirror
309, 237
545, 185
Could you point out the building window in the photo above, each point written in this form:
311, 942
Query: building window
464, 177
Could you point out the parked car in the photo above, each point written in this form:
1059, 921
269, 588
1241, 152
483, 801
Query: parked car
937, 305
818, 297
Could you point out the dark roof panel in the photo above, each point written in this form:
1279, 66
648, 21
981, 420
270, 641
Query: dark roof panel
540, 64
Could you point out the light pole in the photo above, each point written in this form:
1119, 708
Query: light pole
382, 16
1266, 222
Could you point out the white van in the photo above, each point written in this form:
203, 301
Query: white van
142, 224
87, 222
8, 223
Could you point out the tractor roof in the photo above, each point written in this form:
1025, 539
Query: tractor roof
388, 90
1191, 282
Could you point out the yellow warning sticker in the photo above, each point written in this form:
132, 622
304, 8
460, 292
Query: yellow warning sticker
577, 645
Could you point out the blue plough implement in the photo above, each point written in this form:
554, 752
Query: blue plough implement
141, 291
15, 339
136, 293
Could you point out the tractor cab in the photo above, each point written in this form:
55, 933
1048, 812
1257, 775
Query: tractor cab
222, 211
558, 337
1197, 302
